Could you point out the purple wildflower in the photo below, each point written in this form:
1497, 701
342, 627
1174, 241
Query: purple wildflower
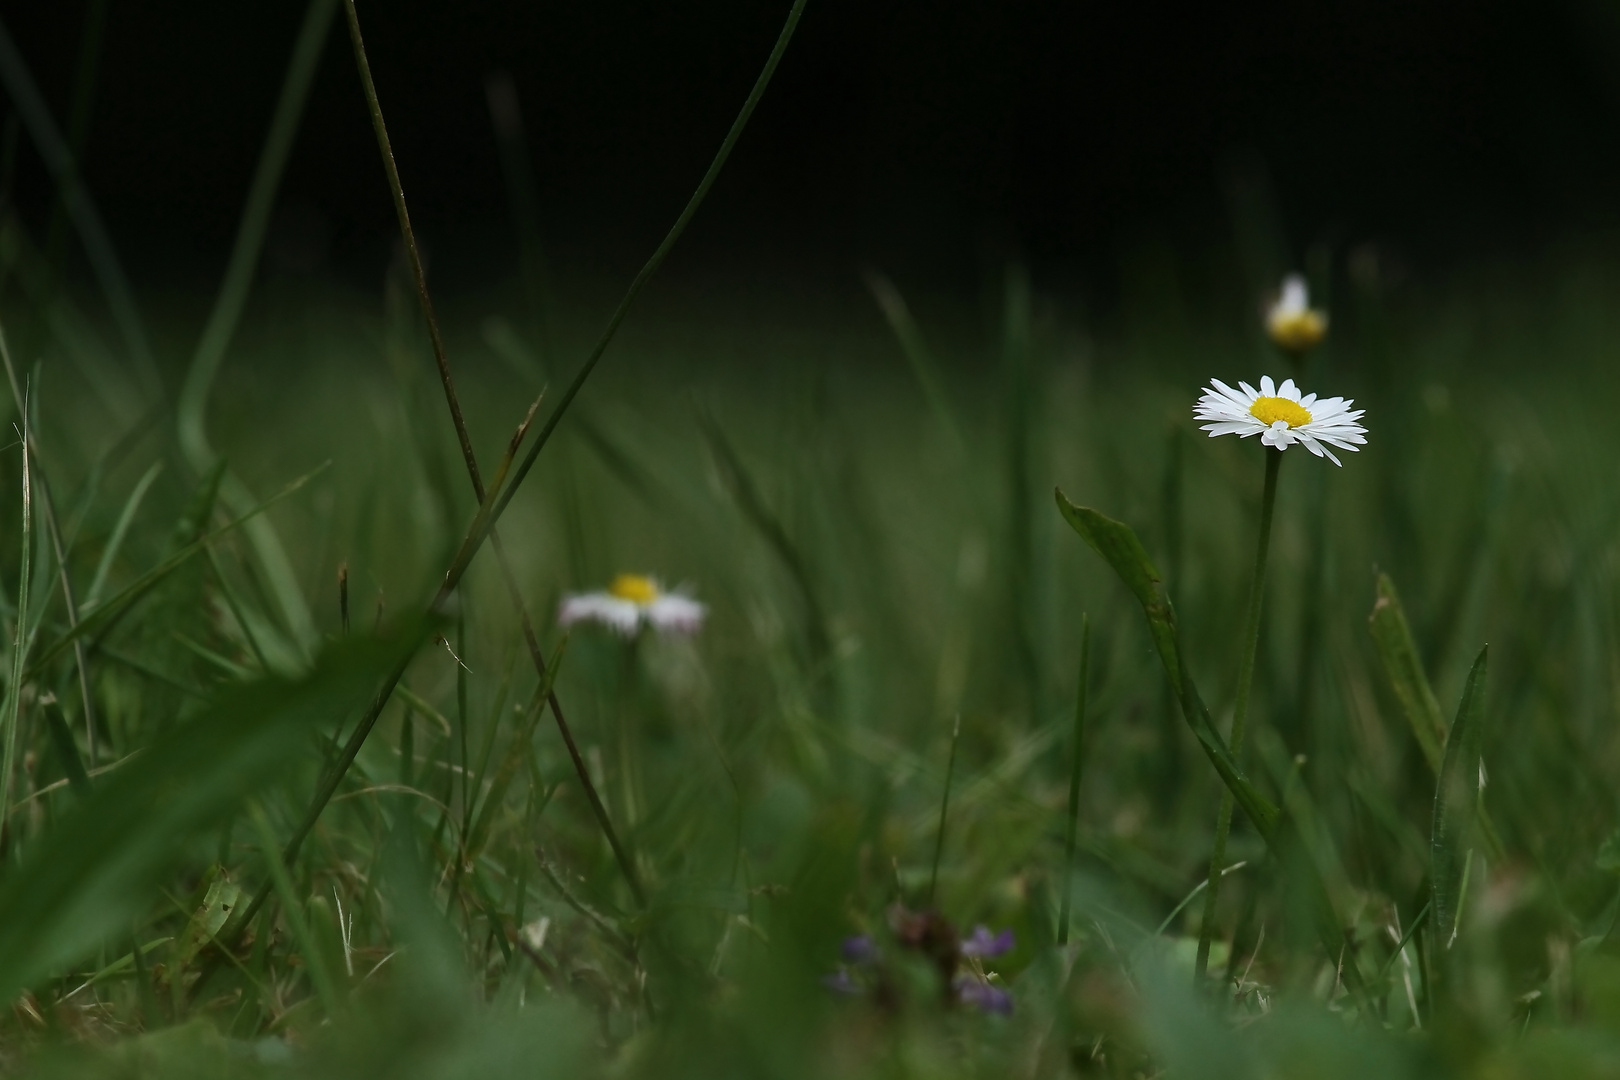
860, 949
982, 945
984, 996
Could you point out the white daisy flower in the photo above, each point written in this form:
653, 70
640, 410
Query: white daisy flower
631, 601
1293, 324
1281, 417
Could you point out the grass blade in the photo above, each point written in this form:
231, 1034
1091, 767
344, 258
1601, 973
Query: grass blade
115, 542
1393, 637
1456, 801
1076, 761
1117, 543
924, 368
11, 707
66, 751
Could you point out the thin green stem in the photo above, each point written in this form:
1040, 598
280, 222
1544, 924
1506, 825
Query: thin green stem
470, 459
944, 809
1077, 760
658, 256
1240, 708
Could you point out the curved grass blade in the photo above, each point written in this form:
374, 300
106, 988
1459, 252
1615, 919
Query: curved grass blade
115, 542
924, 368
1117, 543
1456, 802
85, 878
1392, 635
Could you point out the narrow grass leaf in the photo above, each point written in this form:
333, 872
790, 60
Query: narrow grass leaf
918, 356
1456, 801
1392, 636
11, 707
115, 542
67, 752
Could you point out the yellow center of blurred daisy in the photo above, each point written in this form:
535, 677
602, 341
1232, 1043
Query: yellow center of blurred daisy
1268, 410
638, 589
1297, 331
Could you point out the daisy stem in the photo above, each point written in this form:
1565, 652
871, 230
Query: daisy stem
1240, 708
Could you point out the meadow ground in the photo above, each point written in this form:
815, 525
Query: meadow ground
867, 511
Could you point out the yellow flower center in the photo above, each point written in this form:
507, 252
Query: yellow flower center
1297, 331
1268, 410
636, 589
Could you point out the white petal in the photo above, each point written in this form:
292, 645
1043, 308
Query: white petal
673, 611
605, 608
1293, 299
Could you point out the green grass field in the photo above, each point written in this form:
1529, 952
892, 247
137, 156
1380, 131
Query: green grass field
880, 556
285, 798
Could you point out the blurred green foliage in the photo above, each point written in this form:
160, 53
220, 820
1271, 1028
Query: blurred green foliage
862, 502
846, 509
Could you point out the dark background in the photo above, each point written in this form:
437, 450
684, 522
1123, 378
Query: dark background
919, 135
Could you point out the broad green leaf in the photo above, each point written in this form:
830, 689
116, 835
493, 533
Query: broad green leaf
1456, 801
83, 880
1117, 543
1393, 637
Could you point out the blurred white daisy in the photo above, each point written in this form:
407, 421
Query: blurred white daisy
1293, 324
631, 601
1281, 416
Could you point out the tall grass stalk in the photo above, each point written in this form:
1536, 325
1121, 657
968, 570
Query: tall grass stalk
658, 256
944, 812
1076, 763
1240, 707
11, 706
470, 458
